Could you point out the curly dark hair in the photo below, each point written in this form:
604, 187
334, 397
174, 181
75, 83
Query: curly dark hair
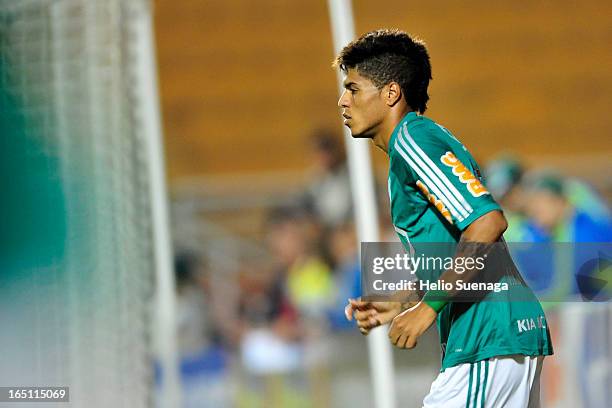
385, 56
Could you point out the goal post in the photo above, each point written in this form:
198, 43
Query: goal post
366, 212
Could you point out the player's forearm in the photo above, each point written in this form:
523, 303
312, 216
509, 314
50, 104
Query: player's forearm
476, 242
466, 249
407, 298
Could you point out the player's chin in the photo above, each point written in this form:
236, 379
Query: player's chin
357, 134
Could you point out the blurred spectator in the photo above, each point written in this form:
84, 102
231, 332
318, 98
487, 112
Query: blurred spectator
309, 286
271, 335
203, 361
586, 199
264, 302
554, 219
194, 326
503, 179
284, 311
347, 274
271, 329
309, 281
572, 223
328, 196
559, 219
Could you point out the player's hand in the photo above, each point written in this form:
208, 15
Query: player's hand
369, 315
408, 326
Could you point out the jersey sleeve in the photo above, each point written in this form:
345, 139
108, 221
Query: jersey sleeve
445, 175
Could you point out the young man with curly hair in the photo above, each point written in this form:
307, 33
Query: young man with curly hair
493, 347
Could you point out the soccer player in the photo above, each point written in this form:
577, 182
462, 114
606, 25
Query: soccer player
492, 349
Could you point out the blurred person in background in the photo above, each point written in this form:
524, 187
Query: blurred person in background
271, 336
553, 218
203, 359
543, 207
267, 314
308, 278
310, 287
287, 311
585, 198
561, 211
572, 223
503, 177
347, 272
328, 196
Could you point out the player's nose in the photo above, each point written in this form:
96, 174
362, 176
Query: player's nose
342, 102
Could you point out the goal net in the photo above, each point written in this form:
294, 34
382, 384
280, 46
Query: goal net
77, 263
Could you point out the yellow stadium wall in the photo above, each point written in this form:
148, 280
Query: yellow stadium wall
243, 83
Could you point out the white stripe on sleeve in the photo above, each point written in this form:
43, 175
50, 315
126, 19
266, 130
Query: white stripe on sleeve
443, 192
442, 177
430, 185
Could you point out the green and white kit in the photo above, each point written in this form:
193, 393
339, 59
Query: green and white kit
436, 192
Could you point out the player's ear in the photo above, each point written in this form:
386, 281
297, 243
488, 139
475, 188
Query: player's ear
392, 93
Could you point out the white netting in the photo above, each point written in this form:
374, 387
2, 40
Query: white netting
67, 73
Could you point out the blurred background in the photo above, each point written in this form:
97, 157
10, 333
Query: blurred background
177, 220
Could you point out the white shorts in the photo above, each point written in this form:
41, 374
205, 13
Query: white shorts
499, 382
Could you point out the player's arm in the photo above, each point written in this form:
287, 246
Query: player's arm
488, 228
476, 241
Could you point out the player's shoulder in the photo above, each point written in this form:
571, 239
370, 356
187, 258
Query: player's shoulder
418, 142
424, 132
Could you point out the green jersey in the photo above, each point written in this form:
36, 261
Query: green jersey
436, 192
